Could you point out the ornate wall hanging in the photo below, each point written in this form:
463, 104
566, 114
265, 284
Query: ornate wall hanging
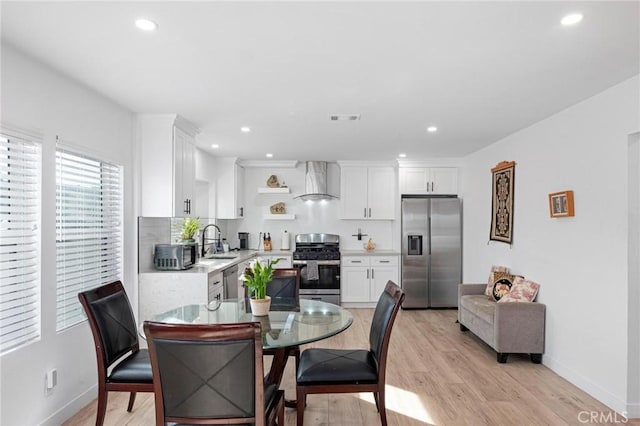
502, 202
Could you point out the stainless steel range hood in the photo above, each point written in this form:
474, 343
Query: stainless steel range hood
315, 182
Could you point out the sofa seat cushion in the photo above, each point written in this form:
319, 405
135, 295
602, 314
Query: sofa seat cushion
479, 305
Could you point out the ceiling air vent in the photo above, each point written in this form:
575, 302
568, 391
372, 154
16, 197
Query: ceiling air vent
344, 117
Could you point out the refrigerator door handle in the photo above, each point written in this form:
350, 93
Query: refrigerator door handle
429, 239
367, 273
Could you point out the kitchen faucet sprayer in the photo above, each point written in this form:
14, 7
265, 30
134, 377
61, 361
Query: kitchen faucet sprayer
205, 239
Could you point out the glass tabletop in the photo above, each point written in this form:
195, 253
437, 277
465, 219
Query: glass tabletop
286, 325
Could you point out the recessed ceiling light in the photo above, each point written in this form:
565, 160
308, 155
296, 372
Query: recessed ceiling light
571, 19
344, 117
269, 155
402, 155
146, 24
215, 146
245, 129
432, 129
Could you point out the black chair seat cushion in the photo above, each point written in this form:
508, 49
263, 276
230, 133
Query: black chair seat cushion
334, 366
135, 368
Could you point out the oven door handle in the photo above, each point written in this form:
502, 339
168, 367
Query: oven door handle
320, 262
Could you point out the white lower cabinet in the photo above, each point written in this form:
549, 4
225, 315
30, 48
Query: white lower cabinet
363, 278
216, 287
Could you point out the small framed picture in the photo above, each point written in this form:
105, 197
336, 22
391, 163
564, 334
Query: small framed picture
561, 204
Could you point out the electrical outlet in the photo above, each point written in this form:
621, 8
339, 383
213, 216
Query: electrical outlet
50, 380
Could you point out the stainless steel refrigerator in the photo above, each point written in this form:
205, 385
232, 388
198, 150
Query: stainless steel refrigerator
431, 251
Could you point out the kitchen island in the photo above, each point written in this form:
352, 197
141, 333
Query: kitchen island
160, 291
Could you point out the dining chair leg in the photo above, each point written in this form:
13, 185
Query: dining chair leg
281, 415
102, 406
375, 397
132, 399
381, 407
301, 398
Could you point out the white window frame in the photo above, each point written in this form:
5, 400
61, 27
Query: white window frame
89, 242
20, 239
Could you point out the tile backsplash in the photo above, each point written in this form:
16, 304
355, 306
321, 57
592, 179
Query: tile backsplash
158, 230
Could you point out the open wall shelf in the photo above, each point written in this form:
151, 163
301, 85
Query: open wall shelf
264, 190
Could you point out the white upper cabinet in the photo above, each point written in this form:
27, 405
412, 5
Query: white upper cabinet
429, 180
229, 189
184, 173
167, 162
367, 193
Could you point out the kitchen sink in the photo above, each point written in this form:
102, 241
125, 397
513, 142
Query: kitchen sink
221, 256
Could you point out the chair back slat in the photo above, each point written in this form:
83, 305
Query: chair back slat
207, 371
284, 289
382, 323
111, 319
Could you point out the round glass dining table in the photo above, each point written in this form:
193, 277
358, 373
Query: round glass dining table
289, 324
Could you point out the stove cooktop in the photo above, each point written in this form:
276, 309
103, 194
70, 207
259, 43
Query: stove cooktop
316, 253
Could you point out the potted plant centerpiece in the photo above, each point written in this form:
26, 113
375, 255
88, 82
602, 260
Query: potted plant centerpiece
188, 229
256, 278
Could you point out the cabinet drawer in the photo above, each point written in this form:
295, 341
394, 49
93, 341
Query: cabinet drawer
355, 261
384, 260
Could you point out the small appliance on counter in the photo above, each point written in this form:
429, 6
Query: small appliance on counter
243, 239
174, 257
285, 240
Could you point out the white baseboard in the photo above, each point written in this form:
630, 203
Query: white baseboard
633, 411
604, 396
72, 408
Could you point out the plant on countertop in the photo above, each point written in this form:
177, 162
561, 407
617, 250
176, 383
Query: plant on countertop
189, 228
257, 276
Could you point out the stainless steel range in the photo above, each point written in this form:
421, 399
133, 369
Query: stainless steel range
318, 258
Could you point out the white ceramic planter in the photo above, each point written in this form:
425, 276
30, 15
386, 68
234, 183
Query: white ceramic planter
260, 307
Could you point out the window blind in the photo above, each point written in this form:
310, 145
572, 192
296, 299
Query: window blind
20, 165
88, 230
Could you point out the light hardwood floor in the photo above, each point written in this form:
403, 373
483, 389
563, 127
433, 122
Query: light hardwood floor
436, 375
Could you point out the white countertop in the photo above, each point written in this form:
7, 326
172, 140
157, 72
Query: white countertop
206, 266
374, 252
275, 253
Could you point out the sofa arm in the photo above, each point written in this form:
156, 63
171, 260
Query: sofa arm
519, 327
471, 289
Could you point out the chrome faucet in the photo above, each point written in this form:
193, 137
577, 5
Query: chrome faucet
205, 239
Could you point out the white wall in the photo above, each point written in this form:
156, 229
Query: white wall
634, 276
580, 262
317, 216
36, 97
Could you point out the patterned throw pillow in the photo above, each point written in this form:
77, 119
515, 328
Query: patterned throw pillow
501, 285
521, 291
489, 290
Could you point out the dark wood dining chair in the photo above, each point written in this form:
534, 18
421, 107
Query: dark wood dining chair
211, 374
285, 285
115, 335
357, 370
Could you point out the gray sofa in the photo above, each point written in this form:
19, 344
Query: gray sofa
506, 327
